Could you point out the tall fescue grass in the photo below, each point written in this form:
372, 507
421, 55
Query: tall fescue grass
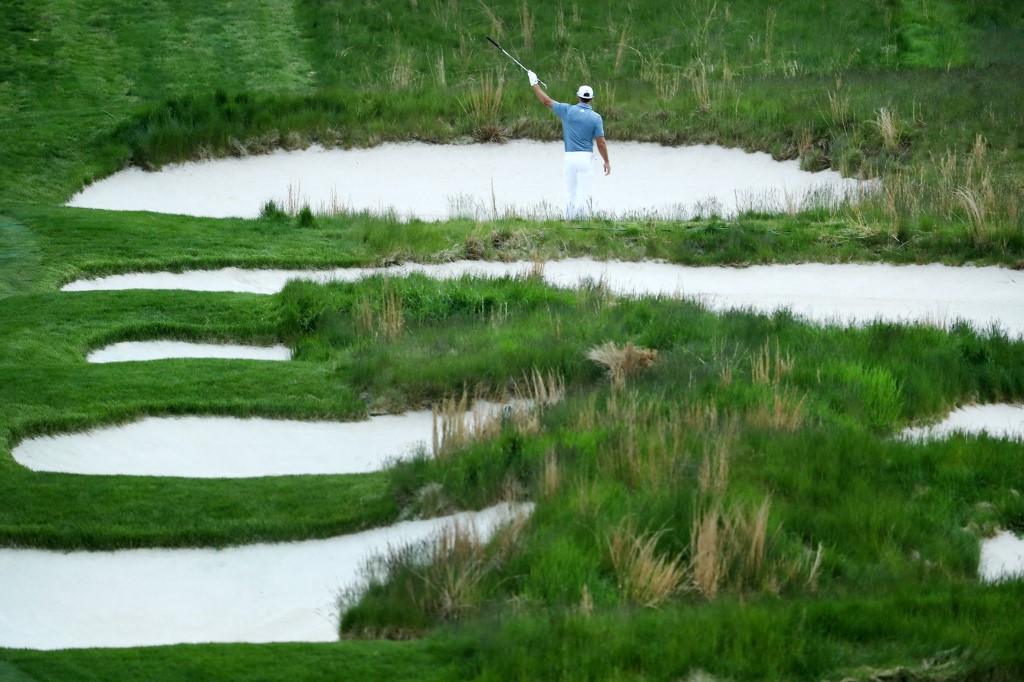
954, 188
447, 578
380, 316
644, 577
483, 106
622, 362
731, 547
833, 506
890, 126
766, 467
458, 422
678, 493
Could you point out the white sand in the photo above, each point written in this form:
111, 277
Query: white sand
227, 447
997, 420
256, 593
437, 182
130, 351
846, 293
1002, 558
265, 593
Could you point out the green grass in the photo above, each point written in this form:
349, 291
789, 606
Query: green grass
364, 660
801, 415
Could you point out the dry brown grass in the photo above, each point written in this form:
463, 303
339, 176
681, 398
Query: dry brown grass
457, 560
586, 495
528, 20
535, 392
647, 450
363, 318
714, 469
890, 126
392, 319
453, 575
451, 578
586, 601
620, 49
732, 545
551, 479
729, 548
698, 76
768, 367
726, 361
560, 29
441, 74
622, 362
707, 557
587, 416
972, 204
543, 389
483, 105
646, 444
839, 106
497, 26
461, 421
783, 411
382, 317
644, 577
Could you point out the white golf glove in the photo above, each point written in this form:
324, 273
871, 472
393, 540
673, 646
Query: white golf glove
533, 78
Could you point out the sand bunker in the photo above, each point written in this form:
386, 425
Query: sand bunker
846, 293
256, 593
1002, 558
438, 182
226, 447
131, 351
998, 421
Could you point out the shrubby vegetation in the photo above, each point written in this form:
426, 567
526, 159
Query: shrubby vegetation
715, 494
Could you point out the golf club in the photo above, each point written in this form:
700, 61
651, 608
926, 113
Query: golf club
513, 59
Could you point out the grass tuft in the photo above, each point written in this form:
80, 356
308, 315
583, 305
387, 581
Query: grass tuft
622, 362
644, 577
483, 106
889, 124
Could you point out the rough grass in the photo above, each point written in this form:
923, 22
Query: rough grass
739, 409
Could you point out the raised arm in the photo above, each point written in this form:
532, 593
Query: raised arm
537, 90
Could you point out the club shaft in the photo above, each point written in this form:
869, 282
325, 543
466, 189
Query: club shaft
513, 59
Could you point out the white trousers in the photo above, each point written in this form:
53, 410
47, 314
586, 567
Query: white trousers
579, 176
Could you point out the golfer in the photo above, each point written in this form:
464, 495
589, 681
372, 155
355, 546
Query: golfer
581, 126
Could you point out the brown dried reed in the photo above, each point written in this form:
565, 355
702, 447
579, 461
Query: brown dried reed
458, 422
768, 368
622, 362
644, 577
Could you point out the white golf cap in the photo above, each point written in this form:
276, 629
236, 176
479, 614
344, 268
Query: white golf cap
585, 92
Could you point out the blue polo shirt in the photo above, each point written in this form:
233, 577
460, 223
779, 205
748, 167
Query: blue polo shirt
580, 125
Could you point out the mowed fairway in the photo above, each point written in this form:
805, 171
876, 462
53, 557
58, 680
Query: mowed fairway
718, 494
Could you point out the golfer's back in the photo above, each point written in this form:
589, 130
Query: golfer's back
580, 125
